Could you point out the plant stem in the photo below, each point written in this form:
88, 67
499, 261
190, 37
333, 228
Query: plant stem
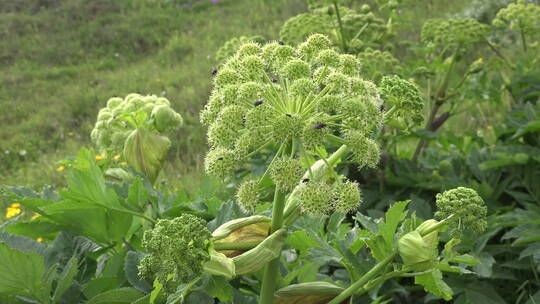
134, 213
341, 32
359, 284
363, 280
235, 245
271, 270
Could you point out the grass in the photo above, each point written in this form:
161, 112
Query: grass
63, 61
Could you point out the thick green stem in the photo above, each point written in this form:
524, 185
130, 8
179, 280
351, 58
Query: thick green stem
363, 280
235, 245
271, 270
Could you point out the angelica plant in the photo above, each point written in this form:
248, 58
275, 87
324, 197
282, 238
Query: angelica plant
135, 127
293, 104
520, 17
347, 28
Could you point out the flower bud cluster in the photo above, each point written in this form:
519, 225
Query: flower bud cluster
462, 32
519, 16
318, 198
231, 46
276, 95
405, 99
323, 21
375, 64
177, 250
466, 208
120, 117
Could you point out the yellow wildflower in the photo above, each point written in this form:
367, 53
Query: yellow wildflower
70, 133
100, 157
123, 164
12, 212
117, 157
15, 205
35, 216
61, 168
39, 240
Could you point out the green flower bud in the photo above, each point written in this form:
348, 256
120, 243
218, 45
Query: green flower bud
404, 97
249, 49
315, 198
328, 58
303, 87
211, 110
466, 208
366, 152
297, 28
145, 152
328, 104
295, 69
248, 196
252, 67
416, 253
226, 77
250, 91
220, 162
287, 126
286, 173
361, 115
338, 82
348, 65
315, 131
347, 196
114, 102
166, 118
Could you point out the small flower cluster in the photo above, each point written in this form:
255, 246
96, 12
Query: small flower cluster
375, 64
466, 209
13, 210
177, 250
297, 100
460, 32
323, 21
405, 98
231, 46
519, 16
120, 117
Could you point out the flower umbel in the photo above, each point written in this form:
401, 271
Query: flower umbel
464, 208
177, 250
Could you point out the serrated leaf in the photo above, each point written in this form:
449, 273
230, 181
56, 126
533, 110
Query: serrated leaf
301, 241
433, 282
21, 274
395, 214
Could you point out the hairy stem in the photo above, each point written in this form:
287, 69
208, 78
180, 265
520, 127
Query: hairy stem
271, 270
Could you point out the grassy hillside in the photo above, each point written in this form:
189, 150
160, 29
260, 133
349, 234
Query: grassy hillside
62, 60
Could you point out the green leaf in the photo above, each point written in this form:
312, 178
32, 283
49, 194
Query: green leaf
219, 287
138, 195
433, 282
301, 241
34, 229
66, 279
22, 243
99, 285
485, 267
120, 295
21, 274
395, 214
132, 272
466, 259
